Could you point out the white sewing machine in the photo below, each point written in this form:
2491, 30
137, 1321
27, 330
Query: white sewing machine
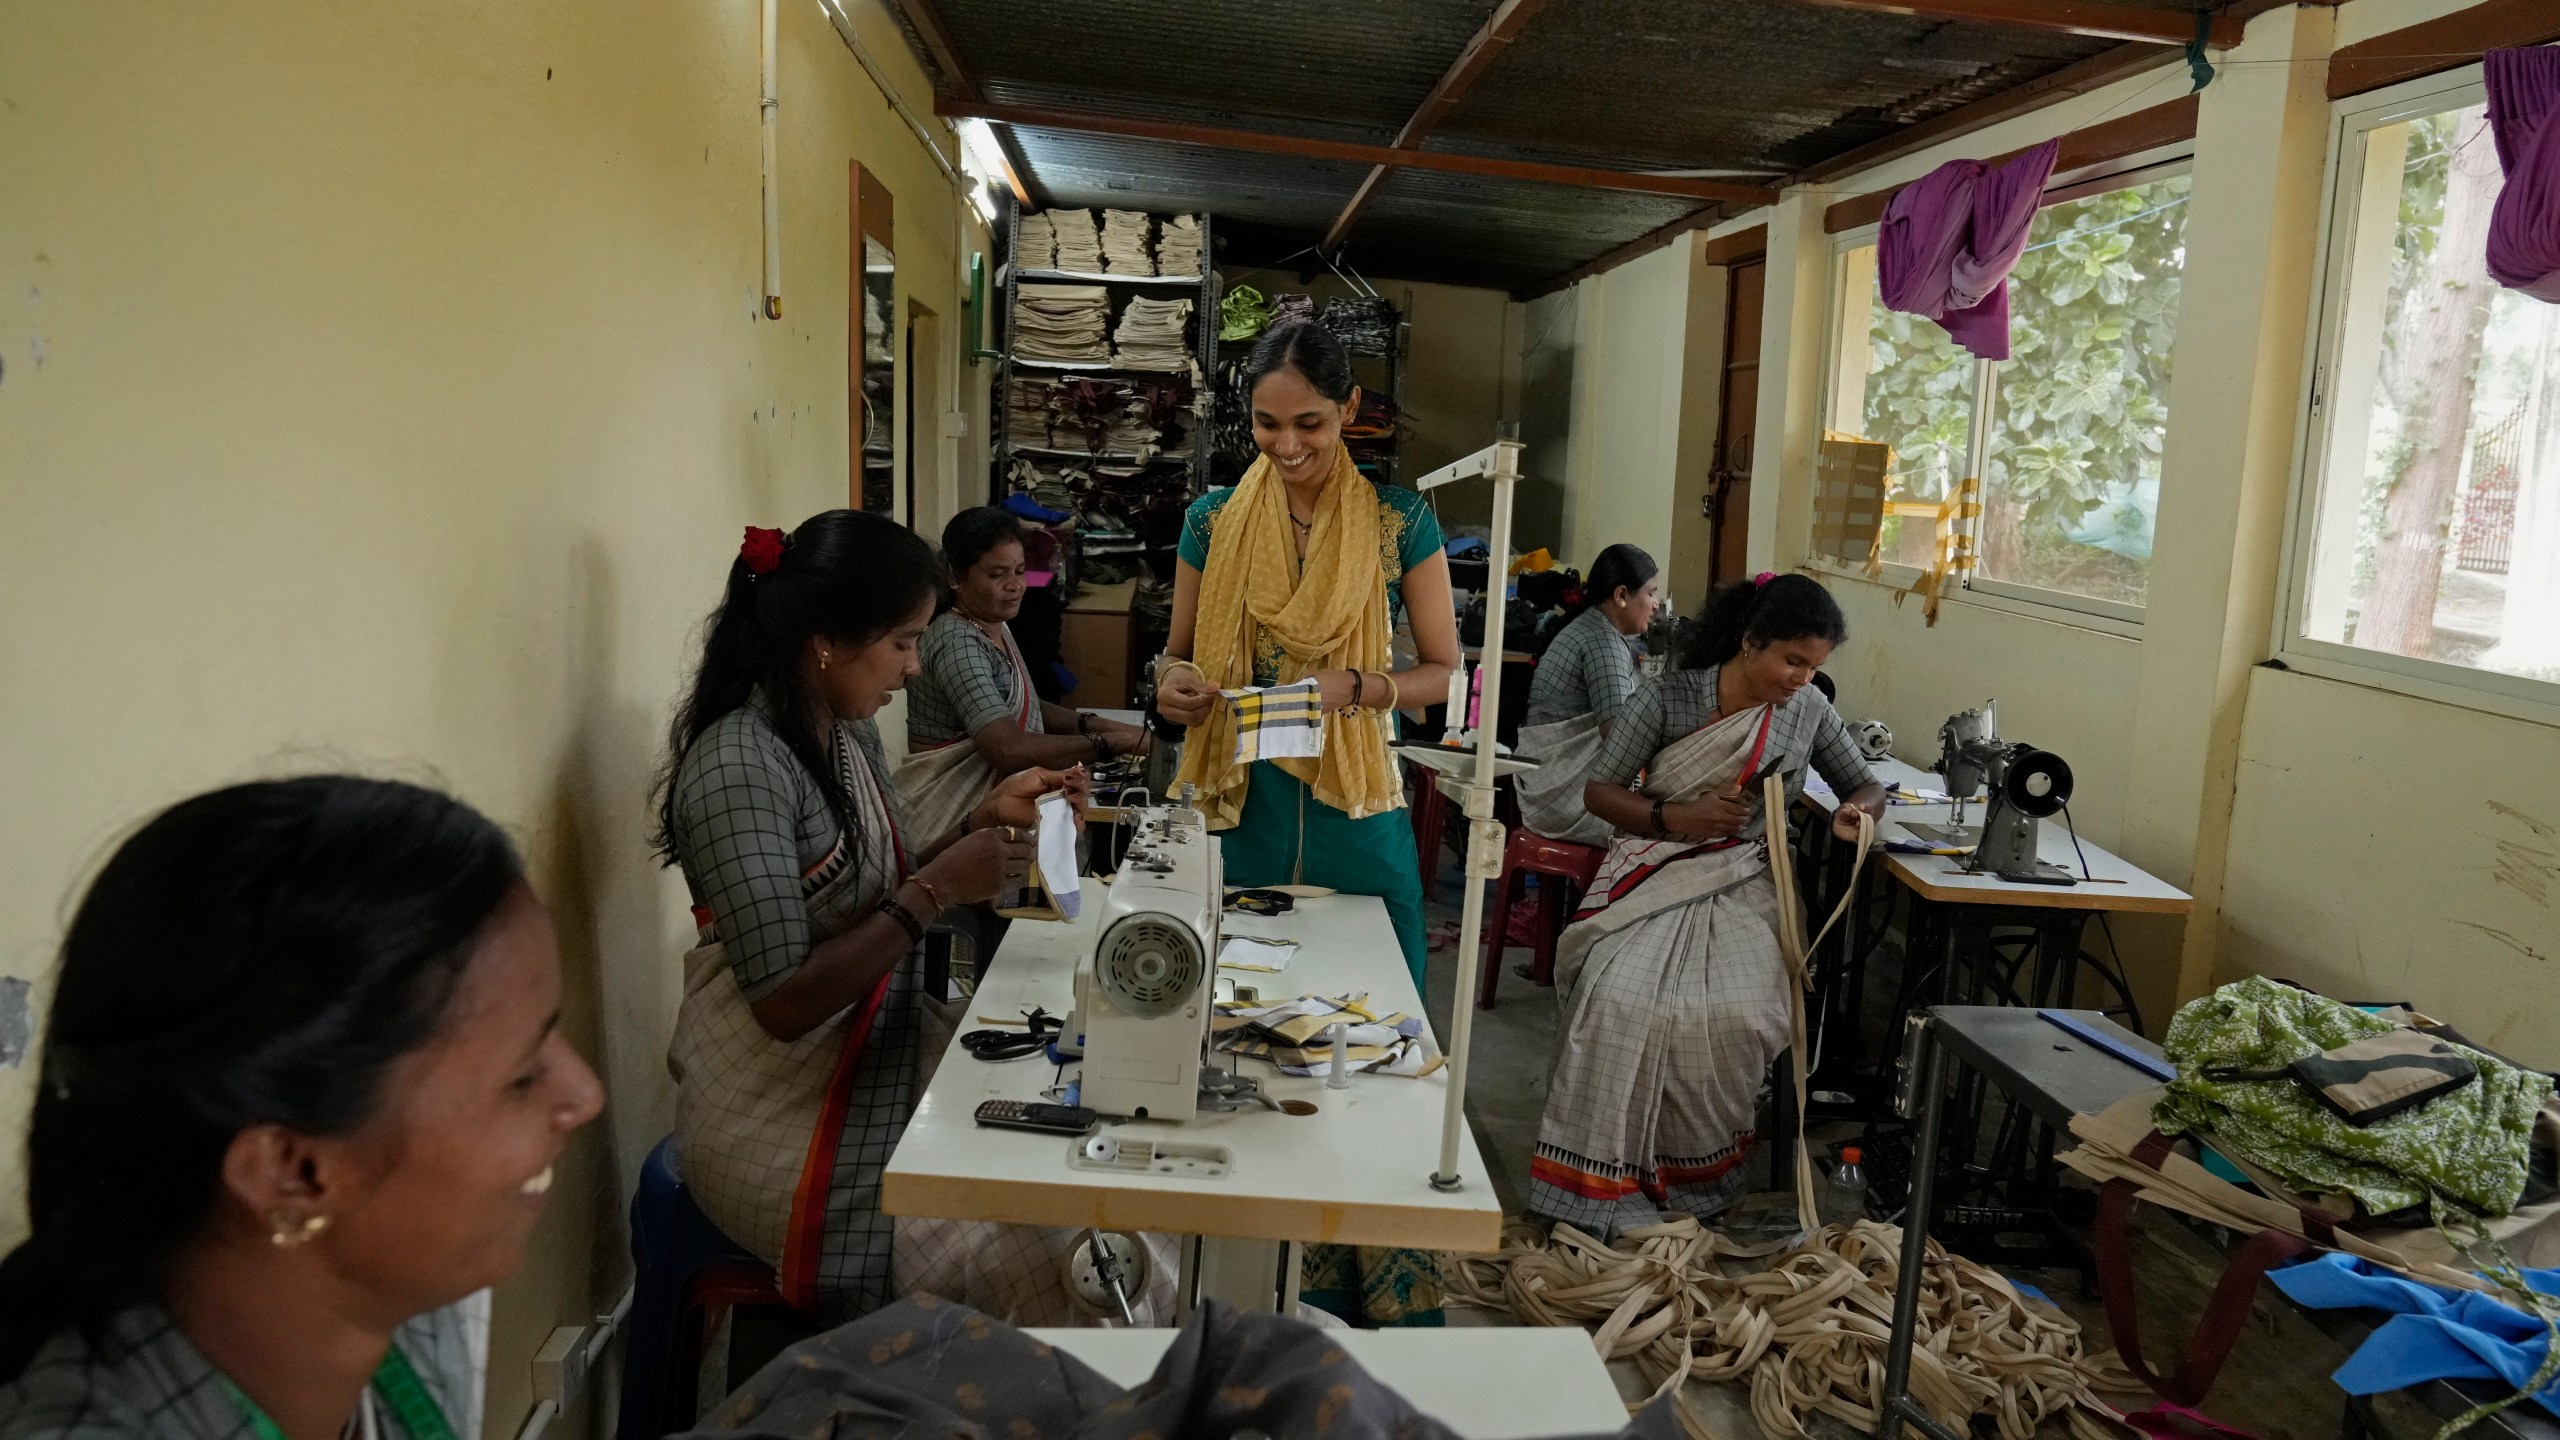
1143, 996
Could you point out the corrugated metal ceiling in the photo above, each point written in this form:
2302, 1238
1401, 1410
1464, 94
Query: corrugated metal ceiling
1742, 85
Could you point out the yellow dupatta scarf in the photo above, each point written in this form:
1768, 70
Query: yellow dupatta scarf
1332, 615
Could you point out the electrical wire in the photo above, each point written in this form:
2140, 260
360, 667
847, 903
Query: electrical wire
994, 1045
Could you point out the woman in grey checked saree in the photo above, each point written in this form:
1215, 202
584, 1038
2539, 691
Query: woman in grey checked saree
1671, 977
1584, 679
805, 1034
972, 714
303, 1087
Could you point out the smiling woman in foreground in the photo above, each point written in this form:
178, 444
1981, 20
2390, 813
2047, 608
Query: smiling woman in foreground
303, 1086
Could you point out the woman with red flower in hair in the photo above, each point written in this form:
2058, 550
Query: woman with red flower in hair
802, 1040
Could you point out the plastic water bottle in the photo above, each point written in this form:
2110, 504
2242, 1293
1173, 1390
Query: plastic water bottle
1844, 1196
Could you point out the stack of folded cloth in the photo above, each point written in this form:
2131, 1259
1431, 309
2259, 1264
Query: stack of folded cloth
1079, 244
1124, 242
1178, 246
1030, 408
1036, 246
1292, 309
1152, 335
1062, 322
1366, 325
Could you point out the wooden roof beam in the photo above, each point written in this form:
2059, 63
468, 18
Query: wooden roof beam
1486, 46
1305, 147
2101, 19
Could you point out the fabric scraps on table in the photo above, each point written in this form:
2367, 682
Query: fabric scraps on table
2472, 1145
2434, 1333
1277, 721
1296, 1035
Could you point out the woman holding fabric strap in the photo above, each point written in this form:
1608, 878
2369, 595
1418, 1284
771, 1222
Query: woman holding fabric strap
803, 1037
1299, 572
303, 1088
1583, 680
1671, 976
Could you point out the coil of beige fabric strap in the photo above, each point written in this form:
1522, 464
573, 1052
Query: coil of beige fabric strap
1809, 1334
1798, 953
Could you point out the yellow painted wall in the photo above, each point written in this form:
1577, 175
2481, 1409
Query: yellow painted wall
384, 388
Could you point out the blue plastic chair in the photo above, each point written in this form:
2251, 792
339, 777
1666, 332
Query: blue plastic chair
683, 1265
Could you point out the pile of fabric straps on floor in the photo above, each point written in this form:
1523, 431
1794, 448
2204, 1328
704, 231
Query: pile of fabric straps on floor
1809, 1332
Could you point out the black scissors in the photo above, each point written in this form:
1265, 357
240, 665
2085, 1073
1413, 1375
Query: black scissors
1261, 902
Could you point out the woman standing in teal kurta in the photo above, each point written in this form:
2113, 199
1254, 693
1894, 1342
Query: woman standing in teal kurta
1299, 573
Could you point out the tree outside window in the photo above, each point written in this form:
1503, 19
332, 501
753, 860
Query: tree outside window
2436, 531
2075, 419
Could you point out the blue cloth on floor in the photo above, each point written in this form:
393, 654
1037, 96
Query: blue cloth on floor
2433, 1333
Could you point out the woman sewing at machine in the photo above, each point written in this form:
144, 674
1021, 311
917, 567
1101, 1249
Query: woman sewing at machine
1294, 574
1673, 985
1584, 679
972, 715
802, 1040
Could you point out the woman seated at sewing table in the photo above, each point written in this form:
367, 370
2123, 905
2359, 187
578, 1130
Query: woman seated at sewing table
972, 715
1584, 679
1671, 976
303, 1087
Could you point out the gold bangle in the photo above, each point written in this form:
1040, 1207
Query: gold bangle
1395, 692
930, 893
1166, 664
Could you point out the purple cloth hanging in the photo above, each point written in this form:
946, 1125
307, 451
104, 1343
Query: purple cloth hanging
1950, 239
2524, 116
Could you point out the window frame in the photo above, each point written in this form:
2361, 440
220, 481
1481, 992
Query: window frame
2089, 611
2517, 696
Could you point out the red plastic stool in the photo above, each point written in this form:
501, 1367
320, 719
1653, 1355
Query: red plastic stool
1530, 853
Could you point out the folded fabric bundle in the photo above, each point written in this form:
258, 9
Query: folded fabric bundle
2524, 118
1079, 243
1124, 242
1062, 322
1950, 239
1243, 313
1277, 721
2471, 1145
1154, 335
1030, 410
1292, 309
1365, 324
2434, 1333
1035, 245
1178, 246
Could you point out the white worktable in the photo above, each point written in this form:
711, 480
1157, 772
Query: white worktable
1484, 1383
2117, 884
1356, 1172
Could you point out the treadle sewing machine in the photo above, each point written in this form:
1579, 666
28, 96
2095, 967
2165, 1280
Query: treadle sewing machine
2022, 785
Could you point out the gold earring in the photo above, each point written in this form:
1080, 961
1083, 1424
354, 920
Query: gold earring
289, 1236
823, 658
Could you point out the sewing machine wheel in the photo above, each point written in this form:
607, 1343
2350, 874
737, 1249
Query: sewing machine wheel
1148, 965
2039, 783
1091, 1287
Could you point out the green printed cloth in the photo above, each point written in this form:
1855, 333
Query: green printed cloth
2470, 1145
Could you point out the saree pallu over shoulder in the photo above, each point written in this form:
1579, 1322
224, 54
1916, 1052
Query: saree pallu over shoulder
1328, 613
1630, 884
760, 1121
938, 785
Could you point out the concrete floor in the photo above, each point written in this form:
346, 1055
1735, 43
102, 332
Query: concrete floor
2275, 1385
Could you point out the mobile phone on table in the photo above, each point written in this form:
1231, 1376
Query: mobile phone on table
1035, 1115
